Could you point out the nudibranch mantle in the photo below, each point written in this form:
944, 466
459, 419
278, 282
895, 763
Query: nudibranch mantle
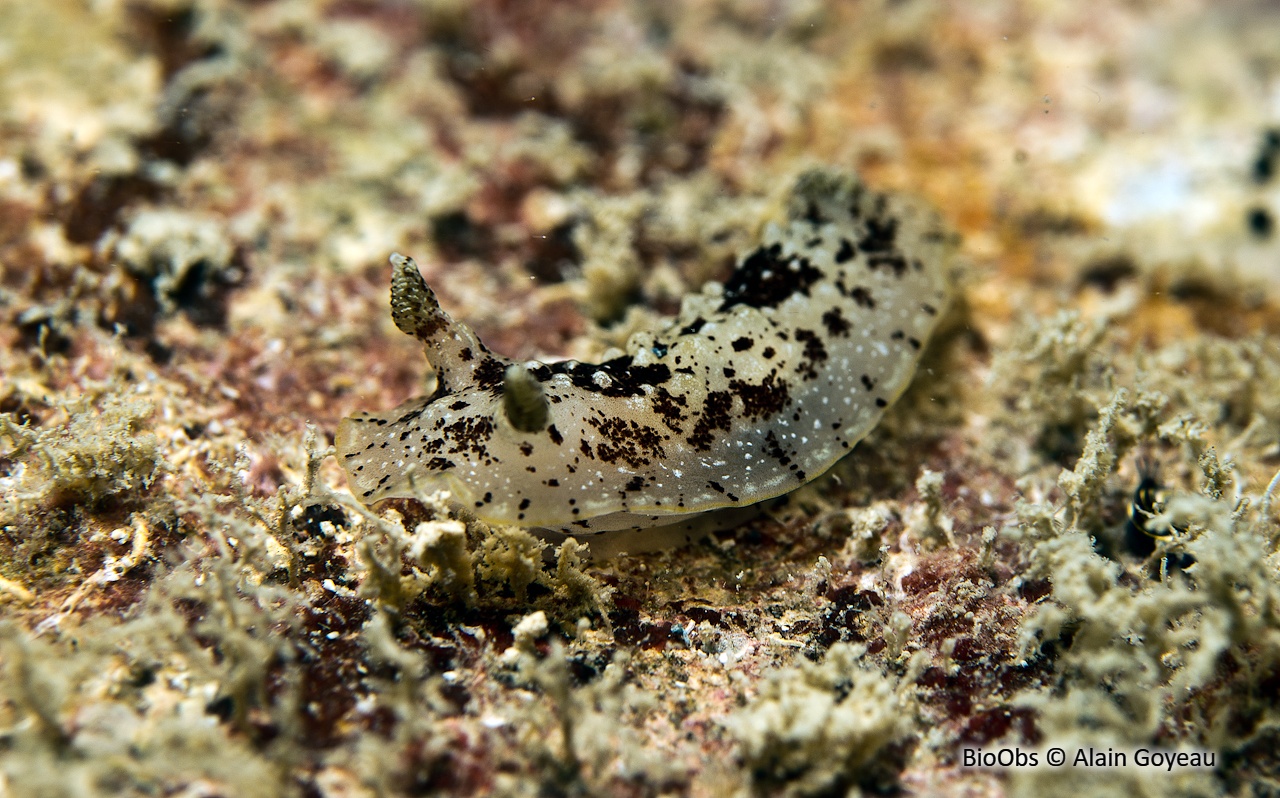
755, 388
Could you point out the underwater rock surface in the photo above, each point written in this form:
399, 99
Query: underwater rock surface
1063, 534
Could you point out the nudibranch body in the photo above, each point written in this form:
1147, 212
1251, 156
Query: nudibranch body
757, 386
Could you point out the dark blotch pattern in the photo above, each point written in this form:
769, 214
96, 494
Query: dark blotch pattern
765, 279
835, 323
613, 378
763, 400
815, 354
845, 253
625, 441
717, 413
879, 236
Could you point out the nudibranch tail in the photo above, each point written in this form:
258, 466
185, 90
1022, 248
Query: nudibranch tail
755, 388
451, 347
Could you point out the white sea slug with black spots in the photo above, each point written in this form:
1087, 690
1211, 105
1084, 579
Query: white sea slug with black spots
757, 387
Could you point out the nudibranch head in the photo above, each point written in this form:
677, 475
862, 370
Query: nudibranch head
755, 388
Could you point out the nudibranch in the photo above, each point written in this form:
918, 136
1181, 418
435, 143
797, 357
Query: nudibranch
758, 385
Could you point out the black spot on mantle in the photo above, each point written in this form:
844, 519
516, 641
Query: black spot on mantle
880, 235
488, 376
619, 377
765, 279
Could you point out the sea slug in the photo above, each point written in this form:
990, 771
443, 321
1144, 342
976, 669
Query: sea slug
758, 386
